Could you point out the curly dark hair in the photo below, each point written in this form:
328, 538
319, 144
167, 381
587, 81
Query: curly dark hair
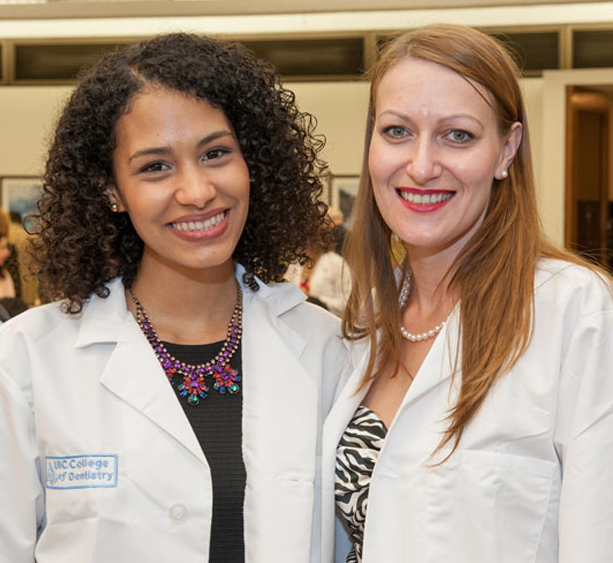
81, 245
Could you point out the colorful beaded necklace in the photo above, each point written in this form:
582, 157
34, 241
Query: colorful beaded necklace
193, 386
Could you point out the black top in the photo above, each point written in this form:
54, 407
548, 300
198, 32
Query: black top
217, 423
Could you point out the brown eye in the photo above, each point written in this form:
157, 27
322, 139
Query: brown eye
154, 167
216, 153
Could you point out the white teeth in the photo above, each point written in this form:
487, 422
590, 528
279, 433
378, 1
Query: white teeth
425, 199
200, 225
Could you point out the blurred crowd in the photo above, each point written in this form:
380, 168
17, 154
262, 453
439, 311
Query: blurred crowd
18, 288
326, 279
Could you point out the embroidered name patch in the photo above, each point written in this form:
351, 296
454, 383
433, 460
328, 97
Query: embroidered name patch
81, 471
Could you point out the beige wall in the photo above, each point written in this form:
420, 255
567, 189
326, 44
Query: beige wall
27, 115
532, 89
340, 108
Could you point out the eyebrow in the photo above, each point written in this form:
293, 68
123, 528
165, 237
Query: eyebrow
165, 150
443, 118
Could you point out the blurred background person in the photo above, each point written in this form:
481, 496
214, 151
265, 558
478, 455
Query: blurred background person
19, 238
10, 263
7, 285
330, 279
13, 306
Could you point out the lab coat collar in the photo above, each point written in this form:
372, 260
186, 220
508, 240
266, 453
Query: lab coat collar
438, 365
134, 374
279, 297
436, 368
104, 319
107, 319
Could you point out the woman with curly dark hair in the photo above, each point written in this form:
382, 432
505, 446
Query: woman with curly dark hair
181, 182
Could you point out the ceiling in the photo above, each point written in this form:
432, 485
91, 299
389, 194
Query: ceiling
53, 19
101, 8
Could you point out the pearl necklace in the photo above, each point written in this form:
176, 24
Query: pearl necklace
402, 300
193, 385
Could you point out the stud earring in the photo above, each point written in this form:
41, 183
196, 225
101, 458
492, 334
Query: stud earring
504, 174
114, 207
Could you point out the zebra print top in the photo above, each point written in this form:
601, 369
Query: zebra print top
356, 456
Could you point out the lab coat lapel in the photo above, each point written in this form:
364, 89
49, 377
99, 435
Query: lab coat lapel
279, 432
133, 373
344, 407
274, 380
436, 369
438, 365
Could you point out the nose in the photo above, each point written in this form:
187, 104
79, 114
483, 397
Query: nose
195, 186
423, 162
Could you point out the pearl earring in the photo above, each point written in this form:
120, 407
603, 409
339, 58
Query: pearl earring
504, 174
114, 207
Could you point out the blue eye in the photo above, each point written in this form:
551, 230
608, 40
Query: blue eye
395, 131
459, 136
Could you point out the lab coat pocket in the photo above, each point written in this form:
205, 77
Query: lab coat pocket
73, 523
298, 493
278, 519
487, 506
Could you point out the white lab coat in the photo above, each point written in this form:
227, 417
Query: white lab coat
98, 462
532, 479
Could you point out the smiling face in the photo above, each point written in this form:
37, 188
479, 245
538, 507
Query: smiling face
435, 150
181, 177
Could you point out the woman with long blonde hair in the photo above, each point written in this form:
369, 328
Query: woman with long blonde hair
480, 427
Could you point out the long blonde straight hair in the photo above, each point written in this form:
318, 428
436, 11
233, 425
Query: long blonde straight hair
494, 272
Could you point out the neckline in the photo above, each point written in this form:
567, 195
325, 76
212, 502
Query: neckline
215, 344
361, 408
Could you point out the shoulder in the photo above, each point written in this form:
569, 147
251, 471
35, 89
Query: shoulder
34, 338
50, 324
309, 318
318, 327
565, 285
287, 303
34, 324
28, 340
315, 332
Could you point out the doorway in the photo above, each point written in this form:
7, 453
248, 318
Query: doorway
589, 173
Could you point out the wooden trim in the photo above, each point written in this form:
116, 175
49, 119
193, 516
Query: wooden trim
570, 217
604, 186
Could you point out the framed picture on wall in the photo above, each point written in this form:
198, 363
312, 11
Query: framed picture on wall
343, 192
20, 193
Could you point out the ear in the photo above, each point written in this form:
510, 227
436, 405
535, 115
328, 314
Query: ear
114, 198
510, 147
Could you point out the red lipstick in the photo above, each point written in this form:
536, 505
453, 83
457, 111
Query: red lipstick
424, 201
